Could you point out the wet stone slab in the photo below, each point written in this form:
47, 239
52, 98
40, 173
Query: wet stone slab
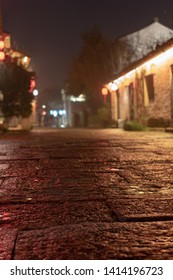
74, 169
86, 194
3, 168
15, 171
97, 241
144, 156
43, 215
142, 209
7, 243
140, 191
49, 189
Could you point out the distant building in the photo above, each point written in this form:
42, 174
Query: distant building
77, 114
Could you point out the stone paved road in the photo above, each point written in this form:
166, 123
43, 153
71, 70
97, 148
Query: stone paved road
86, 194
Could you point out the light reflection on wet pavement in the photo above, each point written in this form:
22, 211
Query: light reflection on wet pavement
86, 194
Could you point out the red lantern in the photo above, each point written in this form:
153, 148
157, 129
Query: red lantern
32, 84
104, 91
2, 54
1, 45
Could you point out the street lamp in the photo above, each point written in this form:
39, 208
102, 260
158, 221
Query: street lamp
35, 92
104, 93
34, 107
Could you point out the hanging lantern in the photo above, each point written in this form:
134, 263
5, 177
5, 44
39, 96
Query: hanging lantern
32, 84
2, 56
104, 91
1, 45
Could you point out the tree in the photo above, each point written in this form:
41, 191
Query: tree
15, 85
91, 68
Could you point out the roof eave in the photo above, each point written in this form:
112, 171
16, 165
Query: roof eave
160, 49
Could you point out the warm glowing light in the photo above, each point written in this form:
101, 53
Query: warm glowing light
113, 86
104, 91
7, 42
1, 45
130, 74
126, 82
153, 68
2, 55
25, 59
80, 98
150, 64
35, 92
32, 84
163, 56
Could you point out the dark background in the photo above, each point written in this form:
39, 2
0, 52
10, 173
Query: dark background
49, 31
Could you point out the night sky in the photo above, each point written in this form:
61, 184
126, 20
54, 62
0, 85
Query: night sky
49, 30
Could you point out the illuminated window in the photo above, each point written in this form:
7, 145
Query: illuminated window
150, 86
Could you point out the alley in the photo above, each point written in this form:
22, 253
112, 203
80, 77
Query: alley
86, 194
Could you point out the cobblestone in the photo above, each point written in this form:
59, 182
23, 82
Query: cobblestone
86, 194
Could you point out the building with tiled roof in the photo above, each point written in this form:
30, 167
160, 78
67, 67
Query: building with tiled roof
143, 89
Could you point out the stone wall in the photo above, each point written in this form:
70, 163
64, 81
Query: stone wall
160, 107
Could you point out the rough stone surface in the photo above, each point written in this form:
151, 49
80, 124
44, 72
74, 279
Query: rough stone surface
86, 194
98, 241
7, 241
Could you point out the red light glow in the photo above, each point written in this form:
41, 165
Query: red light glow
104, 91
2, 55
